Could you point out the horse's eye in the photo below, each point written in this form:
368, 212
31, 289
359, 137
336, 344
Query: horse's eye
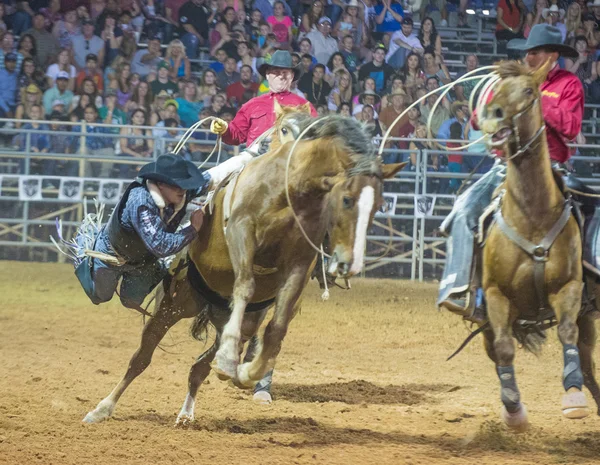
528, 91
284, 131
348, 202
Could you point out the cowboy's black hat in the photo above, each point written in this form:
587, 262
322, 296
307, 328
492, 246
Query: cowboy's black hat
173, 170
280, 59
544, 35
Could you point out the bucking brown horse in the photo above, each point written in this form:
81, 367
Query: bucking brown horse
532, 259
251, 252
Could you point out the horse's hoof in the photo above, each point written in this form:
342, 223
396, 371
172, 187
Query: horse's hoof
242, 379
575, 406
236, 382
183, 421
101, 413
262, 398
225, 369
516, 421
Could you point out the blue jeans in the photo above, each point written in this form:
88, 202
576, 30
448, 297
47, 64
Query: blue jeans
191, 44
137, 281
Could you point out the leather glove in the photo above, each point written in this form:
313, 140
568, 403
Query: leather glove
218, 126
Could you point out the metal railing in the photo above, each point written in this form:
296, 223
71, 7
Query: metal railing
403, 241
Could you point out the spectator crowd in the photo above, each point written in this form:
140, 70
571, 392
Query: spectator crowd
165, 64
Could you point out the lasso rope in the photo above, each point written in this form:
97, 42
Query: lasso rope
467, 77
186, 136
287, 190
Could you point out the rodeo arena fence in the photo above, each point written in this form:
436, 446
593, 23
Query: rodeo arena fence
403, 242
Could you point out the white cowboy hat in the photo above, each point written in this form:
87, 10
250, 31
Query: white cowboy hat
351, 3
594, 3
555, 9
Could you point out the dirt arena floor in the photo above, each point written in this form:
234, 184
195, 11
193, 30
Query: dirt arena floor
361, 379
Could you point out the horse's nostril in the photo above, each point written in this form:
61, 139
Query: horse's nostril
343, 268
499, 113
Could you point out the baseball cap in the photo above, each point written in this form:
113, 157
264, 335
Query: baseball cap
380, 46
163, 93
324, 19
10, 57
172, 102
57, 102
163, 64
91, 56
407, 21
32, 89
87, 21
110, 92
62, 75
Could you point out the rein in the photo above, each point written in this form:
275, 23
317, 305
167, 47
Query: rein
538, 133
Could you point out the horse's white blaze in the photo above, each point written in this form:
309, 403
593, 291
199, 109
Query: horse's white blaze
365, 206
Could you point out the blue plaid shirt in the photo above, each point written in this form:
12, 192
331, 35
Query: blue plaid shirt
39, 141
92, 142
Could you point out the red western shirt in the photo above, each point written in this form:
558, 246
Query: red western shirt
257, 115
562, 107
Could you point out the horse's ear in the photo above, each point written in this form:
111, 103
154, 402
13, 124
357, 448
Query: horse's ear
389, 171
277, 108
539, 75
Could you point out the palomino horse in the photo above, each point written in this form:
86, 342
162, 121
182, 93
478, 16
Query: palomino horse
261, 255
532, 268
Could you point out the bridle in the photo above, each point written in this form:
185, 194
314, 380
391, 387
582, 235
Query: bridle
515, 119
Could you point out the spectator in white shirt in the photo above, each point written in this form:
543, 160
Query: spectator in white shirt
323, 45
402, 43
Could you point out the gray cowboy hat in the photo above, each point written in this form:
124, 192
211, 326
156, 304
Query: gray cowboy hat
362, 96
544, 35
173, 170
281, 59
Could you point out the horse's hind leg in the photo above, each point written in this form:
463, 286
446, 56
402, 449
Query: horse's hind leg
201, 367
167, 314
586, 345
500, 346
198, 373
567, 303
262, 390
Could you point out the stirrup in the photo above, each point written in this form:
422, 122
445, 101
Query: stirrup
478, 316
461, 304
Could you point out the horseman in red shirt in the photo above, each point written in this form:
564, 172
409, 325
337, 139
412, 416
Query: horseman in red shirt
562, 107
258, 115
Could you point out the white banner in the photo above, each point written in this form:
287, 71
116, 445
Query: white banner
70, 189
30, 188
109, 192
389, 205
424, 205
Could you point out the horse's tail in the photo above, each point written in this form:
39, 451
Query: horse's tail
199, 327
531, 337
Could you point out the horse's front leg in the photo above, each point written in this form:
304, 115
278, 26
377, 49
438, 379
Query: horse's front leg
514, 413
286, 305
241, 250
566, 304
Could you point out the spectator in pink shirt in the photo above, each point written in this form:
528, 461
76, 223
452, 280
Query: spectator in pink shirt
281, 25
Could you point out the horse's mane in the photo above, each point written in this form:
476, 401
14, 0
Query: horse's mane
508, 69
354, 138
